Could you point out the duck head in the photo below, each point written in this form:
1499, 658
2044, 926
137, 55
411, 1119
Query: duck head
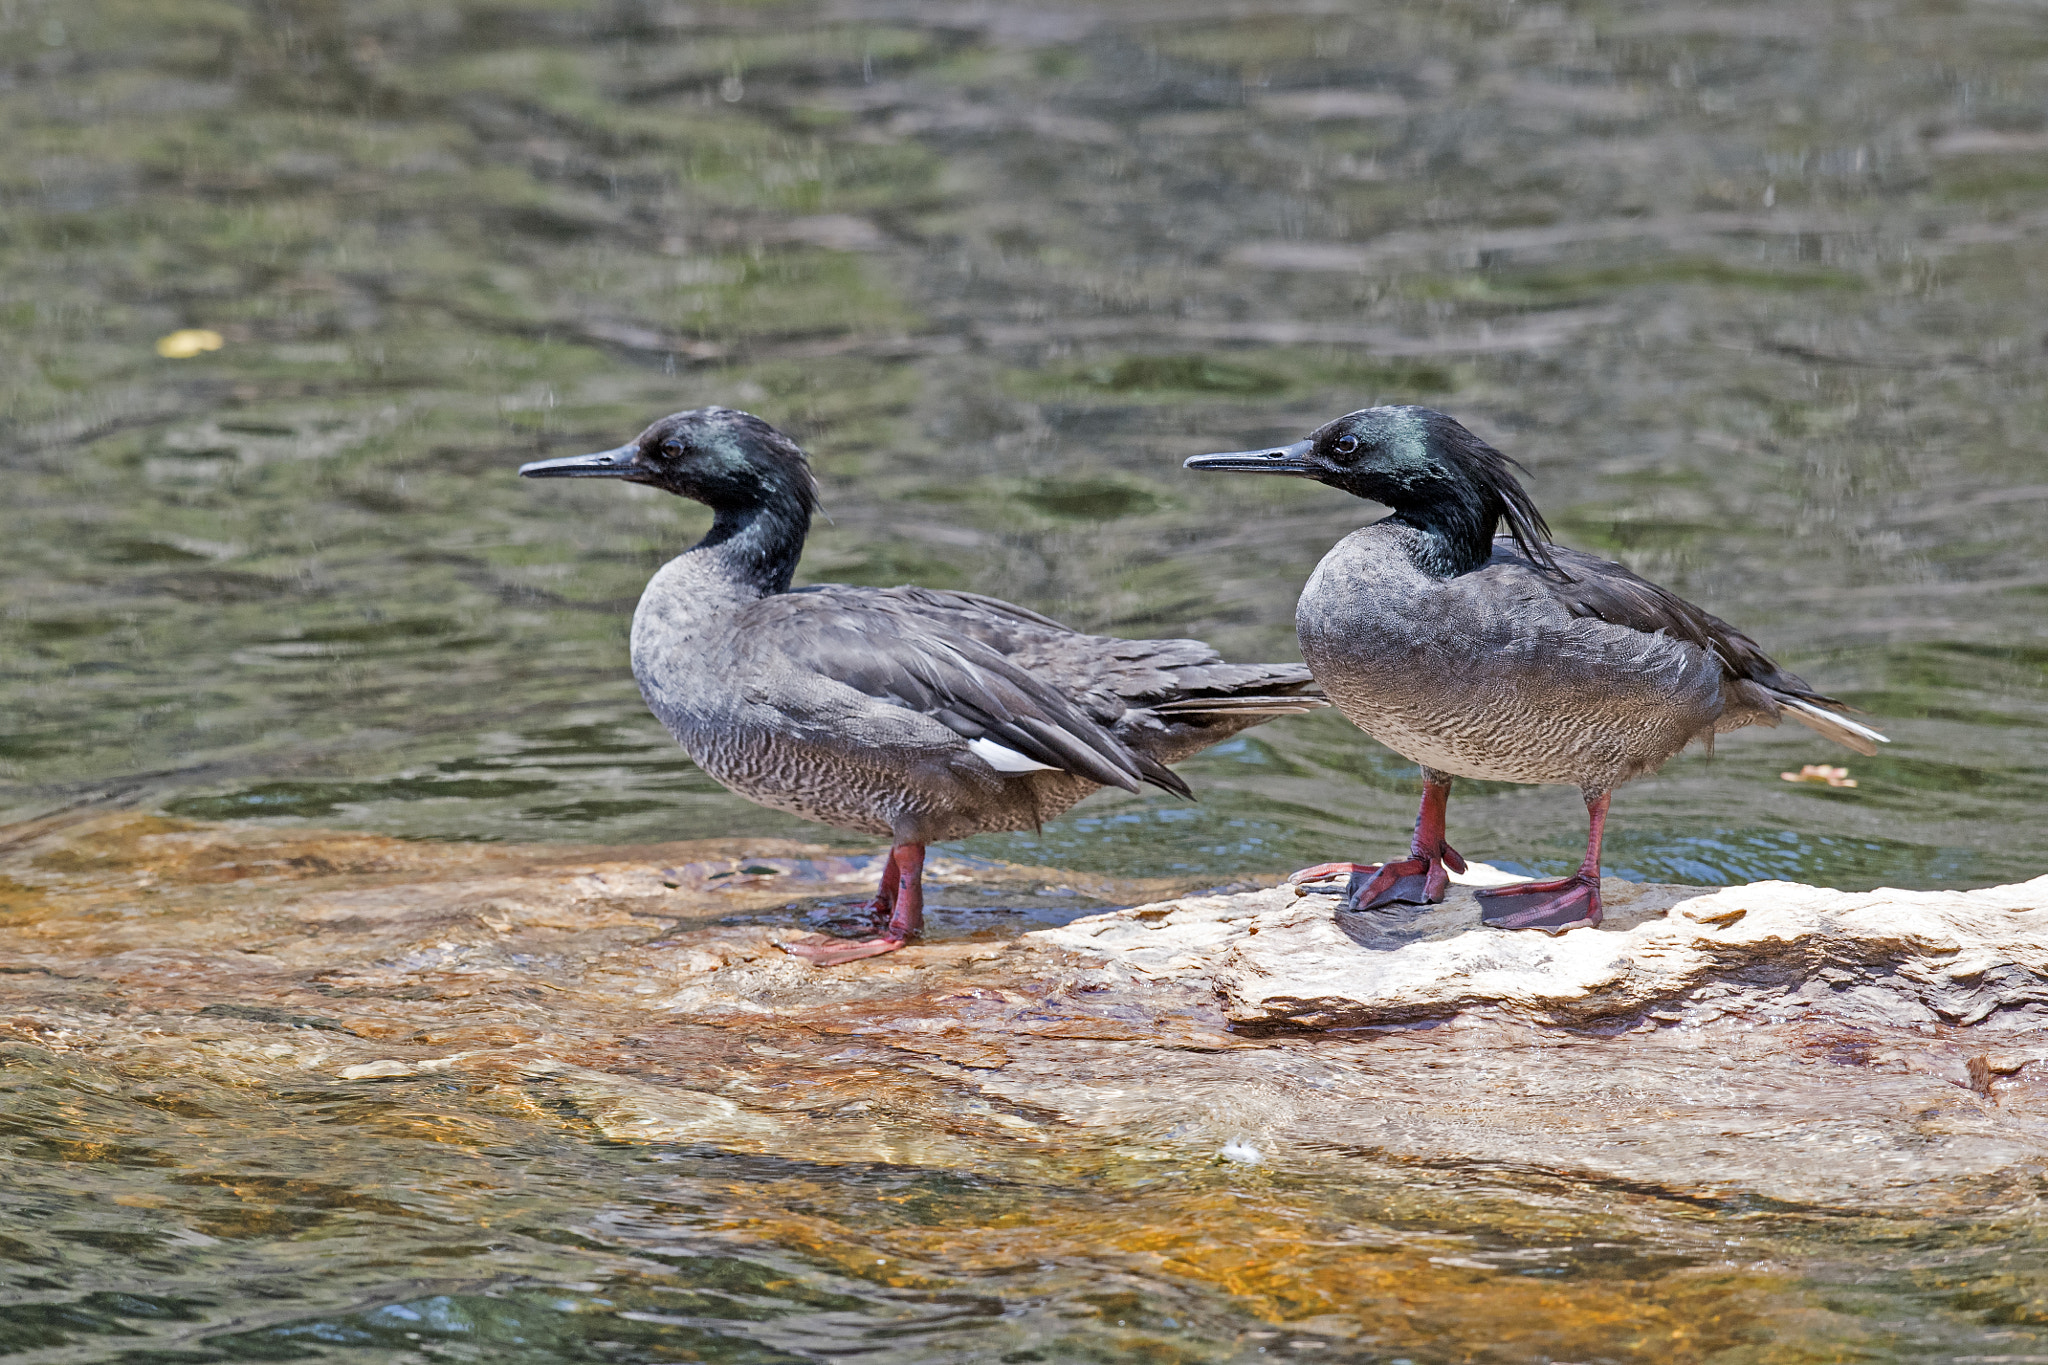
721, 457
1426, 466
756, 481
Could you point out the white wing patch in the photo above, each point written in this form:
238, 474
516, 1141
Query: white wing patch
1833, 718
1006, 760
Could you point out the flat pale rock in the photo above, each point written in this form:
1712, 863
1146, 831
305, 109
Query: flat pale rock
1881, 1051
1884, 957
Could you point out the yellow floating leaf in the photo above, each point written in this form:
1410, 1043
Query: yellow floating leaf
188, 342
1821, 772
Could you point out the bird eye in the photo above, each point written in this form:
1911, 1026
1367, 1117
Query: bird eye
1346, 444
672, 449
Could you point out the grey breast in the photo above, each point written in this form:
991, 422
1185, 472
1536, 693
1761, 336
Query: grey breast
1484, 675
727, 672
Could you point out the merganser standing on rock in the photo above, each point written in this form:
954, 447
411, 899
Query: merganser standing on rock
1505, 657
907, 712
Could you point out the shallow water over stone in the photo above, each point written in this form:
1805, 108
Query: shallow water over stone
1753, 290
279, 1096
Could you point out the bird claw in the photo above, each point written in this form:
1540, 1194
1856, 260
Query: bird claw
826, 953
1552, 906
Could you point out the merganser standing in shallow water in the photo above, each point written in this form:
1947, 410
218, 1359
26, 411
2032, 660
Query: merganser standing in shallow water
1505, 657
912, 713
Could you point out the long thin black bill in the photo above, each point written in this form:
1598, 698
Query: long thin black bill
1292, 460
620, 463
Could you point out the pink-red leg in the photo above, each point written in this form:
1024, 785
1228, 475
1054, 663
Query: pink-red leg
1554, 906
870, 919
1422, 878
900, 899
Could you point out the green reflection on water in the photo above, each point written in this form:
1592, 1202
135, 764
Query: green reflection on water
1000, 291
1000, 272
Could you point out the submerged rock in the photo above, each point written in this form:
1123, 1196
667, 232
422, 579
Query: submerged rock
1882, 1051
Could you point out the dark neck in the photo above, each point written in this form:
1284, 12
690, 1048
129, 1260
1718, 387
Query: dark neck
1457, 522
757, 546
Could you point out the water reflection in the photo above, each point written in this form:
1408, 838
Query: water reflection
1750, 289
1752, 326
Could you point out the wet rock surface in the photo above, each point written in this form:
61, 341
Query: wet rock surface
268, 1091
1886, 1050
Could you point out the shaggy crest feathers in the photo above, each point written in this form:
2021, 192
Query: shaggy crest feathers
1502, 494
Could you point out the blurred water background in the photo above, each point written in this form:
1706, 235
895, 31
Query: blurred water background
1754, 289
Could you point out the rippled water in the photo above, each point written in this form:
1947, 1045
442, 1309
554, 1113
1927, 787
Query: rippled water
1754, 290
494, 1250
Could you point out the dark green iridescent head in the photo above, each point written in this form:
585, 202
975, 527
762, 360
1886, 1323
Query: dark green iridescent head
1424, 464
731, 461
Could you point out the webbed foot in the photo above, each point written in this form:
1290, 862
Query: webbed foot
1552, 906
866, 920
893, 918
1418, 879
824, 953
